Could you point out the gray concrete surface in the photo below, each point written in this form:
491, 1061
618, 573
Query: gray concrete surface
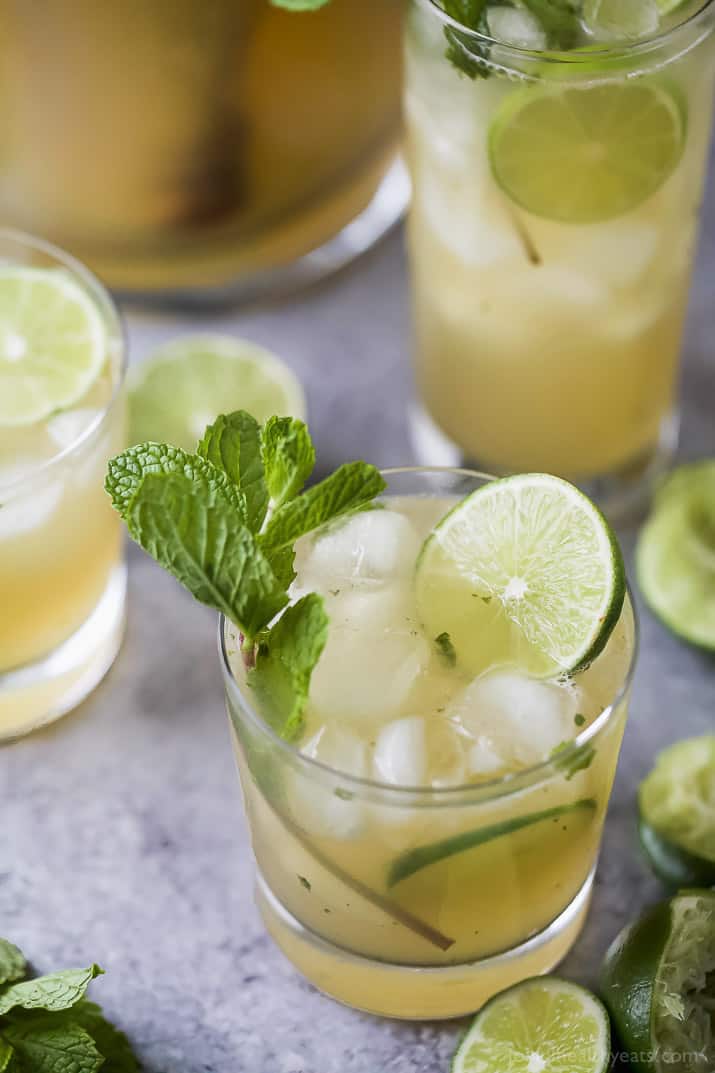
121, 833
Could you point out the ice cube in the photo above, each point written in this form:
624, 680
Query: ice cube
621, 253
516, 26
374, 545
419, 751
30, 506
66, 428
313, 801
373, 656
513, 720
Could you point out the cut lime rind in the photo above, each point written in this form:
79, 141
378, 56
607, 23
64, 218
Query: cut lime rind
184, 384
585, 154
545, 1023
676, 803
523, 572
675, 555
673, 866
53, 343
656, 983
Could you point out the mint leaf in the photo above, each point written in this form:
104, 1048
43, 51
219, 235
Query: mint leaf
57, 991
126, 472
233, 444
6, 1055
112, 1044
190, 529
559, 18
12, 964
51, 1045
580, 759
446, 649
464, 51
285, 661
300, 5
349, 488
288, 456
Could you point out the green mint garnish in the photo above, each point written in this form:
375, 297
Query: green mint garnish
57, 991
579, 719
190, 529
224, 522
285, 661
350, 488
446, 649
126, 472
304, 882
45, 1045
48, 1026
288, 456
579, 760
12, 964
233, 444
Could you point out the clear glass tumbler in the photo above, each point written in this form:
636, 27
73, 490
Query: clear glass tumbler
213, 149
551, 236
421, 903
62, 575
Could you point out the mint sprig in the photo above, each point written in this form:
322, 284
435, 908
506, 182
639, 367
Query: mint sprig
47, 1025
233, 444
224, 522
12, 963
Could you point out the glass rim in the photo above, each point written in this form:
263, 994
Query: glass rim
640, 46
100, 293
512, 782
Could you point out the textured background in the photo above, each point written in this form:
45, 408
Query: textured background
121, 833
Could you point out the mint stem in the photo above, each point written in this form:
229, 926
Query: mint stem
248, 651
528, 245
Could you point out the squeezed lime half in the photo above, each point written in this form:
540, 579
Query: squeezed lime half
53, 343
185, 384
676, 804
675, 557
524, 571
657, 982
543, 1025
582, 154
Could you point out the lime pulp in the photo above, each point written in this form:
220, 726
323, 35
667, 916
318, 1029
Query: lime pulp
544, 1024
523, 571
186, 383
583, 154
53, 343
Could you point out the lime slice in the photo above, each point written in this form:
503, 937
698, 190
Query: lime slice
657, 982
52, 343
580, 155
544, 1025
619, 20
675, 557
524, 571
677, 812
186, 383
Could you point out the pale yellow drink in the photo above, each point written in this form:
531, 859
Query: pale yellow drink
433, 755
61, 573
188, 144
545, 343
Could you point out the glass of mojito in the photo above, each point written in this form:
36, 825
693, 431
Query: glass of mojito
62, 578
557, 152
427, 676
431, 835
203, 148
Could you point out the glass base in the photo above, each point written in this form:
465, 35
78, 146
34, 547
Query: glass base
413, 993
226, 279
40, 692
623, 495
